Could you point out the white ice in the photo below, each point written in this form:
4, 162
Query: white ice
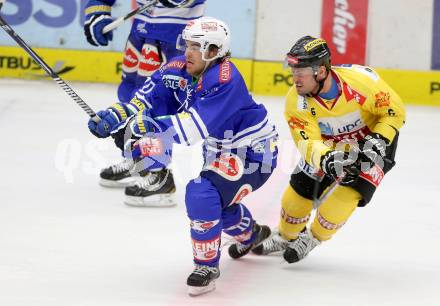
64, 240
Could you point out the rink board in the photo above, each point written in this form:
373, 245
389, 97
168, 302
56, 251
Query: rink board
263, 78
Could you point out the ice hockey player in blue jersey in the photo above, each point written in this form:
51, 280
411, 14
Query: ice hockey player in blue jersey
150, 44
202, 96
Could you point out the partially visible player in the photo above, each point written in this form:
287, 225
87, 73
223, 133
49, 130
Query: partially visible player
151, 43
202, 96
345, 121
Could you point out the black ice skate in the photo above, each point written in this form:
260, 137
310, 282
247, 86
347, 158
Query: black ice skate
275, 243
238, 249
117, 175
202, 280
300, 247
155, 189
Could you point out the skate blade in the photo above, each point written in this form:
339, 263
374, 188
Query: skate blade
159, 200
116, 184
196, 291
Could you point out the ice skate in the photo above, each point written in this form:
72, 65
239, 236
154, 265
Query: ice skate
117, 175
238, 249
274, 243
155, 189
299, 248
202, 280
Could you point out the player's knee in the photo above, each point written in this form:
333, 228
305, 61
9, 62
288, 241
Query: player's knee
202, 199
294, 203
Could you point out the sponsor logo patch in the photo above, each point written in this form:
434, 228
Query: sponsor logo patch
201, 226
293, 220
150, 60
131, 59
150, 146
209, 26
205, 250
229, 166
313, 44
351, 94
382, 99
296, 123
375, 175
225, 72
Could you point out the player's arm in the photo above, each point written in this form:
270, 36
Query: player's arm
152, 93
304, 130
386, 105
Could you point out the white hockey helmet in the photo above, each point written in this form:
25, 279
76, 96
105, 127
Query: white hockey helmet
209, 31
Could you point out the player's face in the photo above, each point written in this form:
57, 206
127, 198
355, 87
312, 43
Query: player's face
195, 65
194, 62
304, 80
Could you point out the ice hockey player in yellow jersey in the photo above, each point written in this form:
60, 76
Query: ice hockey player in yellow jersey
345, 122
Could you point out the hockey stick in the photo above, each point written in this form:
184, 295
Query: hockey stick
48, 70
318, 201
121, 19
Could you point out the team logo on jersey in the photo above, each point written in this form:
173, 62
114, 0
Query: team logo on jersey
228, 165
382, 99
241, 193
150, 60
206, 250
131, 59
201, 226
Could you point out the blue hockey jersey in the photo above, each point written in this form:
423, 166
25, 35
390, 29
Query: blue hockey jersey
217, 108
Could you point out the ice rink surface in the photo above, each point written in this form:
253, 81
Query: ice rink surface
64, 240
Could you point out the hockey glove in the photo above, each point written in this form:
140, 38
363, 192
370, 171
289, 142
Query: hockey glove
341, 167
140, 137
98, 15
175, 3
132, 129
103, 128
374, 149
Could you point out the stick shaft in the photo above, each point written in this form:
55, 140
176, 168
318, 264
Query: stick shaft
121, 19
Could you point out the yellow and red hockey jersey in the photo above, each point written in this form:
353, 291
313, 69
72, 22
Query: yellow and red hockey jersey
365, 104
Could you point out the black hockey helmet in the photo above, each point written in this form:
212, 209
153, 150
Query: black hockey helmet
309, 51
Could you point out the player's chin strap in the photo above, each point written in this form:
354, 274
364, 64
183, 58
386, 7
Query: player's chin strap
321, 82
208, 63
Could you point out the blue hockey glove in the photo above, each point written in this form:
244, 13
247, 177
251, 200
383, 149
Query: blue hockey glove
98, 15
133, 128
103, 128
